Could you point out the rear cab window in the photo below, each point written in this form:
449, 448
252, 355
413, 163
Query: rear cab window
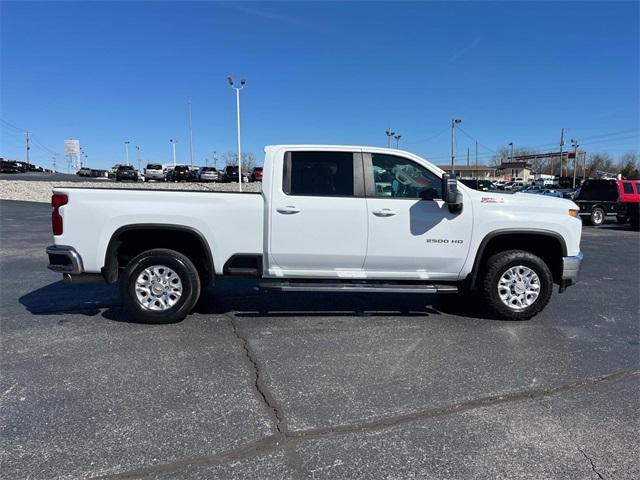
320, 173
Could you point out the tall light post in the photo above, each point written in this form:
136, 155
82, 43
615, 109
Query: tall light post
237, 89
173, 147
561, 147
454, 122
574, 144
511, 154
397, 137
138, 155
190, 138
126, 151
389, 133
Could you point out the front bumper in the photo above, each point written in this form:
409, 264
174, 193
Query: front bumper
64, 259
570, 270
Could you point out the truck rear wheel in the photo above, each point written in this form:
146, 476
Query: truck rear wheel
160, 286
597, 217
516, 285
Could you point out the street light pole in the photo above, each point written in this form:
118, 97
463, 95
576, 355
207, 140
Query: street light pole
574, 144
126, 151
237, 89
389, 133
511, 154
561, 146
454, 122
397, 137
138, 155
190, 138
173, 146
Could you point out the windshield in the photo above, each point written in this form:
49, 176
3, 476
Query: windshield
125, 167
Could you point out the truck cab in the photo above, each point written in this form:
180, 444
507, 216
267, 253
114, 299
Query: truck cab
328, 218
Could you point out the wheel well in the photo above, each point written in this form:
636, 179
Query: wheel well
548, 247
126, 243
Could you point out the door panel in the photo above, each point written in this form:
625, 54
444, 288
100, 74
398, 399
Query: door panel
318, 222
410, 237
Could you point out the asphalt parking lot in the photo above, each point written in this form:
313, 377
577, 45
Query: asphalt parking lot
266, 385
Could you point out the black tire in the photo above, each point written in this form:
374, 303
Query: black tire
597, 217
634, 217
497, 265
186, 272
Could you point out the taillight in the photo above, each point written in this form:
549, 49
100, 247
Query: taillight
57, 200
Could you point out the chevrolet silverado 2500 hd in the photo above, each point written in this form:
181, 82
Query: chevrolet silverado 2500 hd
329, 218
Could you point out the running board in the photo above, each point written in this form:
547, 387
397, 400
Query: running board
357, 287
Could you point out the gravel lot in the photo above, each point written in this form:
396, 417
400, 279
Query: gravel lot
40, 191
319, 386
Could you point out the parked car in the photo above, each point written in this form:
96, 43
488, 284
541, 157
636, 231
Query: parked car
154, 171
598, 199
194, 173
317, 226
230, 174
209, 174
114, 170
482, 185
11, 166
84, 172
256, 174
179, 173
126, 172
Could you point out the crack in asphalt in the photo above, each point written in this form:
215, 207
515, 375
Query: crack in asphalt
285, 438
259, 387
593, 467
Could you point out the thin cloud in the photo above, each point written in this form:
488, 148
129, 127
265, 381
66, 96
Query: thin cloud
276, 17
464, 50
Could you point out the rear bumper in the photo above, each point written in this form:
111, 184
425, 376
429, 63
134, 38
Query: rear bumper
64, 259
570, 270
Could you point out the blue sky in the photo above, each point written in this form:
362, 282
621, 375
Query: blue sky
317, 73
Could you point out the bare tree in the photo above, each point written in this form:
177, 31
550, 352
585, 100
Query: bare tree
628, 165
599, 162
248, 159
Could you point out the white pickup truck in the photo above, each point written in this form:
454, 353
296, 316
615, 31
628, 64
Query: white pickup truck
329, 218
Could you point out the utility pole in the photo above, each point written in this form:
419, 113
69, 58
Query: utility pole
138, 155
477, 160
584, 166
173, 147
397, 137
389, 133
561, 146
190, 138
574, 144
126, 151
28, 145
467, 156
454, 122
237, 89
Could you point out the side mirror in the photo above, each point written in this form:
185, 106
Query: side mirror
450, 193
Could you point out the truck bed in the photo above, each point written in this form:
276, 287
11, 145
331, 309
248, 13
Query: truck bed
229, 222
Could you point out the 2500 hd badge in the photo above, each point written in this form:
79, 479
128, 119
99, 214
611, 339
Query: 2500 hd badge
443, 240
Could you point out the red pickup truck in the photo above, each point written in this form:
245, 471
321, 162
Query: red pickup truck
599, 198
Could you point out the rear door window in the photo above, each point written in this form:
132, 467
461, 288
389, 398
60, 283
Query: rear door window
319, 174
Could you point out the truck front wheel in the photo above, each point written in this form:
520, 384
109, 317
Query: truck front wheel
517, 285
160, 286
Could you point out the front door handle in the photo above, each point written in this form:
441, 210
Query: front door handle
288, 210
385, 212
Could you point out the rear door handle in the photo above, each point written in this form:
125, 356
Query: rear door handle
385, 212
288, 210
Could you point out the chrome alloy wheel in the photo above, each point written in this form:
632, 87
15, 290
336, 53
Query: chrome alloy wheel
598, 217
158, 288
519, 287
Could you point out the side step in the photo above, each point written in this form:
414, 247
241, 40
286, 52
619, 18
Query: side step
288, 286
